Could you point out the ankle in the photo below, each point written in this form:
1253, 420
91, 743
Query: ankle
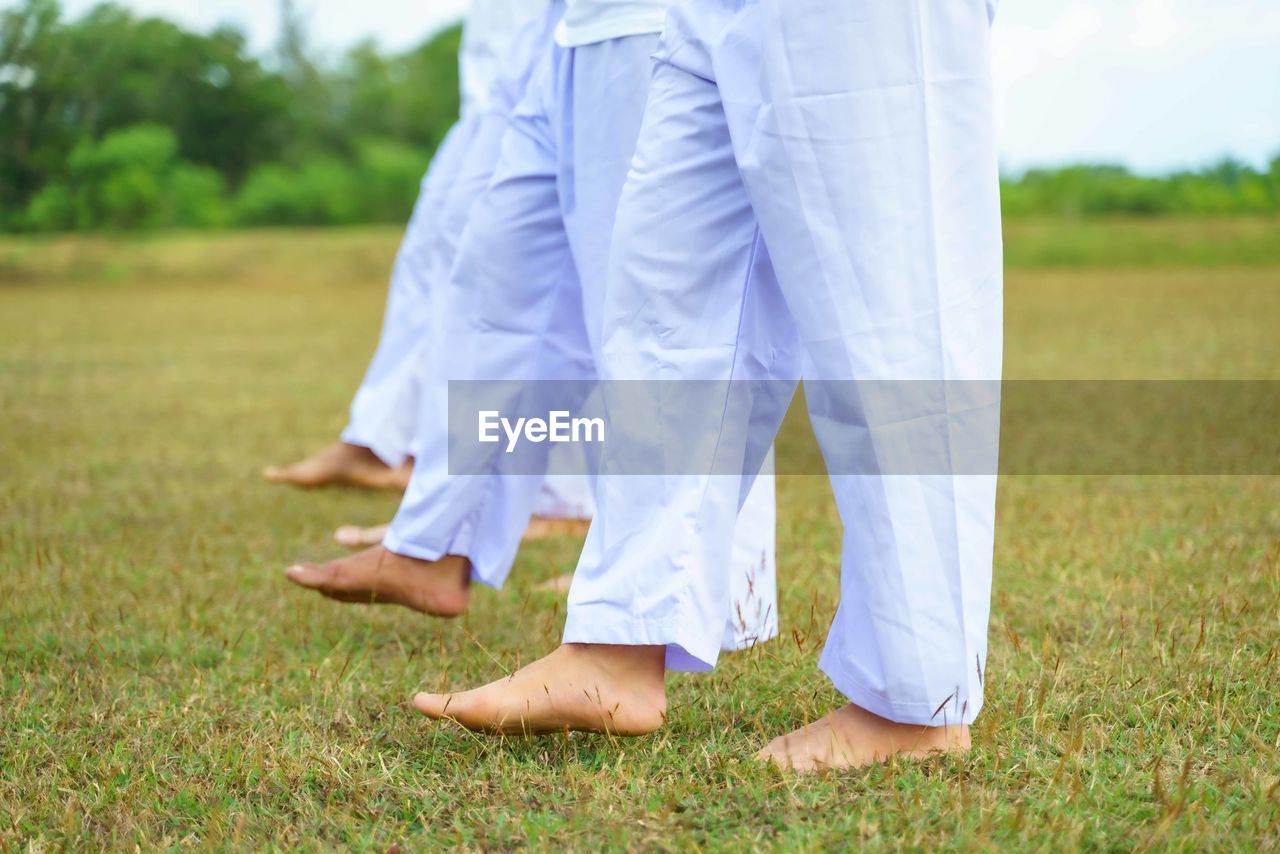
441, 588
948, 738
644, 668
358, 453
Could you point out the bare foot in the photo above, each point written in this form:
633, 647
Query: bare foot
852, 737
355, 537
545, 528
341, 464
619, 690
559, 585
379, 577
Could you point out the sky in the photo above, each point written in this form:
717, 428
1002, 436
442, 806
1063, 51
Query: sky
1152, 84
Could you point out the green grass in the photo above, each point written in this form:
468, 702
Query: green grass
160, 685
1143, 243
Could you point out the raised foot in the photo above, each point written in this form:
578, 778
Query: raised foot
618, 690
852, 737
558, 586
547, 527
355, 537
379, 577
540, 528
341, 464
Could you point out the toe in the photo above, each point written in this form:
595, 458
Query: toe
434, 706
782, 754
559, 585
372, 536
766, 755
294, 475
308, 575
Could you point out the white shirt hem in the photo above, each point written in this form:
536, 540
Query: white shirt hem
638, 25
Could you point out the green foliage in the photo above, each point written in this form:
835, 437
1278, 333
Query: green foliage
72, 85
388, 97
1228, 187
117, 182
295, 141
198, 197
320, 192
378, 185
390, 174
50, 210
270, 195
130, 179
110, 70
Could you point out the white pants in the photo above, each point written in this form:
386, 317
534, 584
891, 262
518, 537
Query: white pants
529, 287
854, 140
385, 406
387, 409
488, 33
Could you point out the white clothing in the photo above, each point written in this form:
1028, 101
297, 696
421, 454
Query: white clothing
386, 411
528, 305
488, 34
592, 21
846, 150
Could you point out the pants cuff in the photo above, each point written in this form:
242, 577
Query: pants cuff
686, 652
949, 711
392, 454
489, 576
736, 640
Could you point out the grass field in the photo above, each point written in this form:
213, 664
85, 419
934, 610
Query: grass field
160, 684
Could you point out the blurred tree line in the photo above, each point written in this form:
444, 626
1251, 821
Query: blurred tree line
1228, 187
114, 121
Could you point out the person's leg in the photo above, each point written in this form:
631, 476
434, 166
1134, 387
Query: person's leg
360, 537
565, 504
894, 283
516, 317
564, 507
375, 445
753, 583
611, 82
607, 85
684, 249
514, 312
382, 413
872, 170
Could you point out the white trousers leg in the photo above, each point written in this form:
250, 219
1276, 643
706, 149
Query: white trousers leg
383, 410
566, 496
863, 158
386, 408
515, 312
537, 290
898, 277
561, 496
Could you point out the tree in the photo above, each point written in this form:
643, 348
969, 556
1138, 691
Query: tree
412, 98
130, 179
110, 70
